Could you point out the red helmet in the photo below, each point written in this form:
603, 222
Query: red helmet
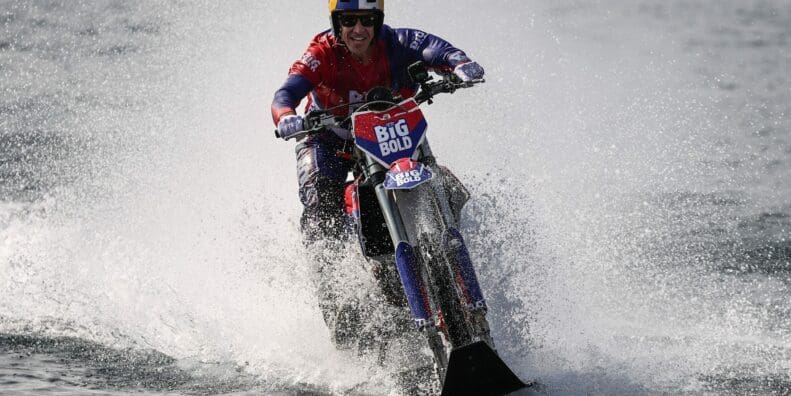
340, 6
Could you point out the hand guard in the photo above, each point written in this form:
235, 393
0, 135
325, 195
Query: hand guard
469, 71
289, 126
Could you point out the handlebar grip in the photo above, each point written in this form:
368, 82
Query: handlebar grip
308, 123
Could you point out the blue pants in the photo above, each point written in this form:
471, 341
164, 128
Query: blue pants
322, 177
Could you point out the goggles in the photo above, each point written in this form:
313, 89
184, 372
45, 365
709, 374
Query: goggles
350, 20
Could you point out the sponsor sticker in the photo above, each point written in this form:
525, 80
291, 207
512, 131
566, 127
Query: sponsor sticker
310, 61
418, 40
393, 137
407, 174
392, 134
407, 177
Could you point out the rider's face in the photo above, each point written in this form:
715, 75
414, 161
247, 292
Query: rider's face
357, 37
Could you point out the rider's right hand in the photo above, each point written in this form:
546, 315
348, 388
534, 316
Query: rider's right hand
289, 126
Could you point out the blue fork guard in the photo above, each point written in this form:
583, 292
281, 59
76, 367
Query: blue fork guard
414, 287
461, 257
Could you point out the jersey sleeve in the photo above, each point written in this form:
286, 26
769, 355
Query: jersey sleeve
314, 62
289, 95
305, 74
433, 50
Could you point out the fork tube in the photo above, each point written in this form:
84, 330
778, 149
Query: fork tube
395, 224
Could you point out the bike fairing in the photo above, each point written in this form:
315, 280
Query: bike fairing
330, 77
390, 135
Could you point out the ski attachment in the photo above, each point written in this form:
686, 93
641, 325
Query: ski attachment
475, 369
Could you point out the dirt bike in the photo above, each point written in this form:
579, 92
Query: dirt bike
420, 203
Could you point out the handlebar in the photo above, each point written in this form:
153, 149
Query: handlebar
320, 119
448, 84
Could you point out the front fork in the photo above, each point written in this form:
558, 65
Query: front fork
408, 266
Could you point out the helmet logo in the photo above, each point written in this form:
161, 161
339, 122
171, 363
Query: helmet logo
355, 5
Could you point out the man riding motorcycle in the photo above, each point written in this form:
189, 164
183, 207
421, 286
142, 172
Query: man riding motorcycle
336, 71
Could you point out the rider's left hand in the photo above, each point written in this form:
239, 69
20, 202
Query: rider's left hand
469, 71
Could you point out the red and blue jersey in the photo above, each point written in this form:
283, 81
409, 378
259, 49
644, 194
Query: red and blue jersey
330, 76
